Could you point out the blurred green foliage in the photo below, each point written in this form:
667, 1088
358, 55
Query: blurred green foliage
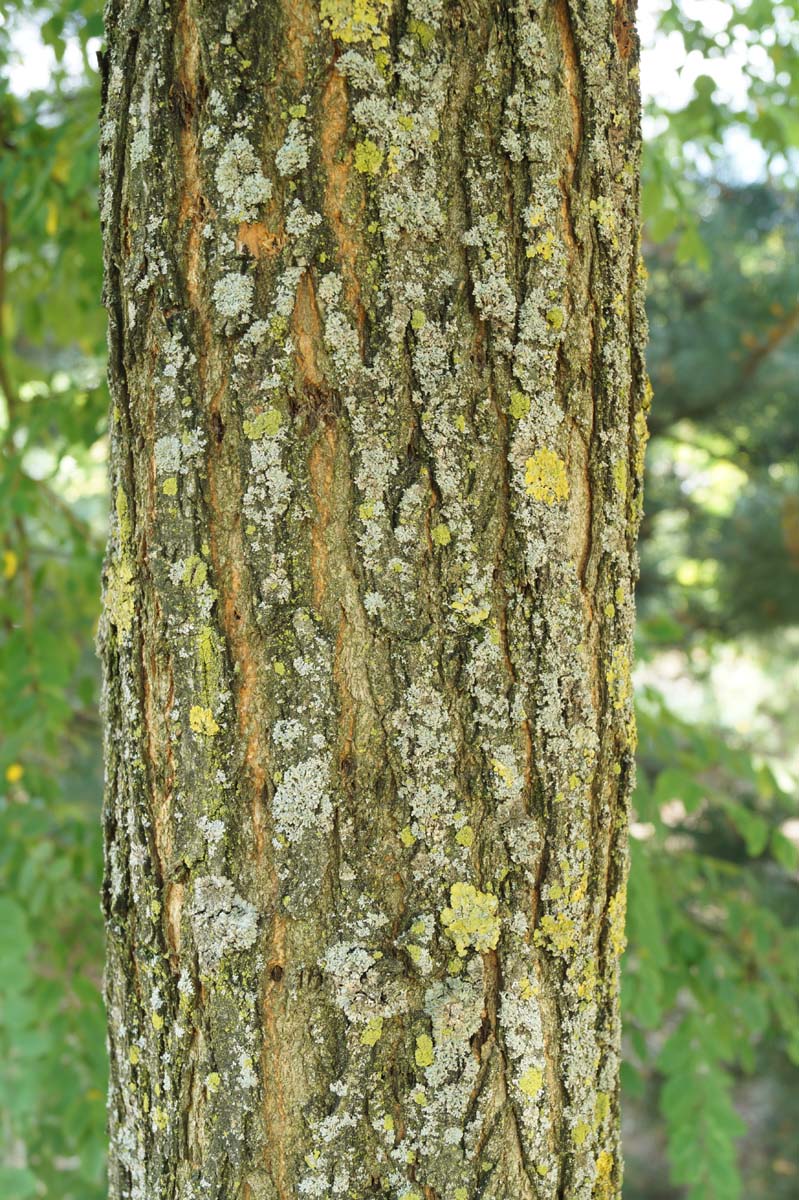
52, 518
709, 988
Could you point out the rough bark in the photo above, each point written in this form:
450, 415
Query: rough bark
374, 296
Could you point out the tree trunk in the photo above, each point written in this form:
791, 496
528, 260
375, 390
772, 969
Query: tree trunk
376, 329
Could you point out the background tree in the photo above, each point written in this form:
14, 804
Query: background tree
376, 452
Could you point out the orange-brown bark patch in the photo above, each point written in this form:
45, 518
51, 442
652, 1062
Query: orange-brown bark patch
257, 240
337, 162
307, 328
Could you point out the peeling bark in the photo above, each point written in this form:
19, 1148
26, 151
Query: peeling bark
376, 332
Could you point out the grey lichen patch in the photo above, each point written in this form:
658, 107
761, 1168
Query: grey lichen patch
222, 921
167, 454
233, 296
240, 180
301, 802
293, 155
140, 147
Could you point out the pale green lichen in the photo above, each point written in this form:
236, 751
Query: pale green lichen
266, 424
519, 405
368, 157
471, 918
373, 1031
424, 1055
545, 477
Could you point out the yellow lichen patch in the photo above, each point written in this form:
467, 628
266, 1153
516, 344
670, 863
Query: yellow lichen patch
119, 595
618, 676
601, 1108
545, 477
604, 1169
641, 431
426, 35
170, 486
208, 654
441, 535
356, 20
160, 1118
519, 405
406, 837
544, 248
212, 1082
464, 603
266, 424
557, 930
373, 1032
195, 571
465, 836
579, 892
581, 1132
368, 157
471, 918
604, 213
157, 1020
423, 1055
526, 989
123, 515
620, 476
531, 1081
133, 1055
617, 913
202, 721
505, 773
587, 985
